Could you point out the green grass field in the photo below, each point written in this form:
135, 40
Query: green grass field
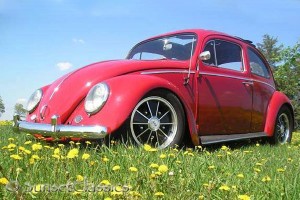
35, 169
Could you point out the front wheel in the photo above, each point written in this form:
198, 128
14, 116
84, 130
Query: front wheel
158, 120
283, 127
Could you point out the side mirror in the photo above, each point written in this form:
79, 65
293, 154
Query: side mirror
205, 55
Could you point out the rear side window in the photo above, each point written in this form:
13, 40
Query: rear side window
224, 54
257, 64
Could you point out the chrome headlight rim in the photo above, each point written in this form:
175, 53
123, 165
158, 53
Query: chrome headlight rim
92, 97
34, 100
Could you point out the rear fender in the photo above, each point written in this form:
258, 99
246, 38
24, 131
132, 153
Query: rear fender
125, 92
277, 101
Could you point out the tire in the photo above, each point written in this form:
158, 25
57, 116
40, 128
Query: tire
283, 127
158, 120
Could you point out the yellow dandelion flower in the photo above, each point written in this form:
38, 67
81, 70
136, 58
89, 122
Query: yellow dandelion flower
224, 188
228, 153
257, 170
36, 157
266, 179
162, 156
258, 164
105, 182
79, 178
201, 197
171, 155
116, 168
31, 161
11, 139
21, 148
72, 153
147, 147
224, 148
240, 175
77, 143
36, 147
85, 156
48, 147
257, 144
158, 173
61, 145
154, 165
158, 194
37, 188
56, 156
28, 142
190, 154
16, 157
178, 161
105, 159
163, 168
27, 151
205, 184
56, 151
88, 142
135, 194
11, 146
92, 163
77, 192
244, 197
3, 181
133, 169
72, 142
152, 175
280, 170
116, 193
107, 198
211, 167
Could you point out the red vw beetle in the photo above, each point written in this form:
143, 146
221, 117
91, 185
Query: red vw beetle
205, 84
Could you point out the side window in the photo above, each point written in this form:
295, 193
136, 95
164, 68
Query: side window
257, 65
224, 54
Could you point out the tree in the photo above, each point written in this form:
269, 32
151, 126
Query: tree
2, 107
20, 110
271, 50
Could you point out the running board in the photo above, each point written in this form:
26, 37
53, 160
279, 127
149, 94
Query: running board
212, 139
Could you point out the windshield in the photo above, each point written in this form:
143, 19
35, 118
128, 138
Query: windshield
175, 47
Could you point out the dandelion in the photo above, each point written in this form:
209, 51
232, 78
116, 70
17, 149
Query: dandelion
201, 197
147, 147
36, 147
105, 182
77, 192
224, 188
56, 156
158, 173
211, 167
257, 170
163, 168
158, 194
16, 157
11, 146
162, 156
107, 198
79, 178
257, 144
88, 142
178, 161
135, 193
152, 175
133, 169
61, 145
85, 156
27, 142
3, 181
36, 157
190, 154
266, 179
244, 197
37, 188
171, 155
280, 170
240, 175
56, 151
116, 168
77, 143
154, 165
72, 153
105, 159
258, 164
224, 148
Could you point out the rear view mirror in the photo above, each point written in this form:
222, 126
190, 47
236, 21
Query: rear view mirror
205, 55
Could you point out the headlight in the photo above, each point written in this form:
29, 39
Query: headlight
34, 100
96, 98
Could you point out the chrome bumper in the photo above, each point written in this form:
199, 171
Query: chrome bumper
58, 131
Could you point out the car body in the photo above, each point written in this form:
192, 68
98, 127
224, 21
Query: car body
207, 85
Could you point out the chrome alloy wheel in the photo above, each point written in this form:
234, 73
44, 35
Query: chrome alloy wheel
154, 121
283, 128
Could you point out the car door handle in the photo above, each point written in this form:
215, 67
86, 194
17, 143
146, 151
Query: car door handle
248, 83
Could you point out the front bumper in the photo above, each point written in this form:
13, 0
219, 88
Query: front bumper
59, 131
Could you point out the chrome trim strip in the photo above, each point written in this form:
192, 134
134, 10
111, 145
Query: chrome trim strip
237, 77
168, 71
59, 131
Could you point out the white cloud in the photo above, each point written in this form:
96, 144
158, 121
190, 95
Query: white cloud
78, 41
64, 66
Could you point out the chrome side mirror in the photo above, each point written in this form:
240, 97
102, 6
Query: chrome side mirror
205, 55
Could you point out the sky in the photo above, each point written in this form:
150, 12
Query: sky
41, 40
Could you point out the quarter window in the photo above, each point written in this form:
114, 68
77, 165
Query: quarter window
224, 54
257, 65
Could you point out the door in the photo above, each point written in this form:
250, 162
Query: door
225, 90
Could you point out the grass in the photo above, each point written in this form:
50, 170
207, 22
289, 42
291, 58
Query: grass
31, 168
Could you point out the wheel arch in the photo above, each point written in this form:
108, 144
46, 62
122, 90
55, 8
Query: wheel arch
277, 101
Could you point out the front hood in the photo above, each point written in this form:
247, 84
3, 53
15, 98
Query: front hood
64, 95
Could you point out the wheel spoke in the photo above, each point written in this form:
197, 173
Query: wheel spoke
149, 108
149, 137
142, 133
142, 115
139, 123
164, 115
157, 109
163, 133
171, 123
157, 140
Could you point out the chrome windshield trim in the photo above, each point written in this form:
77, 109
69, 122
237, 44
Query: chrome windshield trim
58, 131
237, 77
168, 71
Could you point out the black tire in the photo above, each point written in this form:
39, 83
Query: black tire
158, 120
283, 127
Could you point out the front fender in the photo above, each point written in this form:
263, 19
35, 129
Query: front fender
125, 92
277, 101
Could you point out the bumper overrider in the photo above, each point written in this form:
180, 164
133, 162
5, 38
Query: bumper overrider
55, 130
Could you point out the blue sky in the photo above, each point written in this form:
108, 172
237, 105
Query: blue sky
40, 40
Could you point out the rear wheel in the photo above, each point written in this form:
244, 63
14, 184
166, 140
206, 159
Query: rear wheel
158, 120
283, 127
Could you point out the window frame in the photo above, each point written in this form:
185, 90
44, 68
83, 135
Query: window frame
255, 51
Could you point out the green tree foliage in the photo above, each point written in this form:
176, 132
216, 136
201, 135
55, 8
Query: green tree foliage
2, 107
20, 110
287, 76
271, 50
